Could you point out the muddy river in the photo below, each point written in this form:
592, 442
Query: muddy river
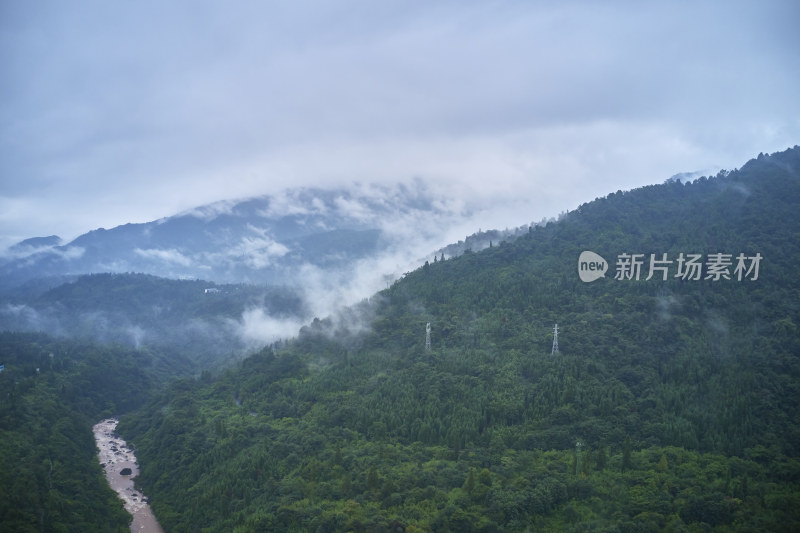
115, 456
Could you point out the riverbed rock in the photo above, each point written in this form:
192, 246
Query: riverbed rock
125, 472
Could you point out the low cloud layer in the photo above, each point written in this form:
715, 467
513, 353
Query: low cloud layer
170, 256
256, 328
128, 112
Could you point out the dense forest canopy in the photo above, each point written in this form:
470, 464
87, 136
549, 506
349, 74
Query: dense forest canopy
670, 405
52, 392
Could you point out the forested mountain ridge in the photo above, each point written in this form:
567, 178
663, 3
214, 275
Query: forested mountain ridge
672, 404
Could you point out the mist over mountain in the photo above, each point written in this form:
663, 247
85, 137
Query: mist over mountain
186, 325
33, 245
268, 265
291, 238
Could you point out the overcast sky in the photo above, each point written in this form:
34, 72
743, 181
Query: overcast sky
115, 112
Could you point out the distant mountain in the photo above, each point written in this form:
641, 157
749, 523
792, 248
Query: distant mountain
269, 239
34, 244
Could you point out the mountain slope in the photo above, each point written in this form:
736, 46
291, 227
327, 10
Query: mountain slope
671, 404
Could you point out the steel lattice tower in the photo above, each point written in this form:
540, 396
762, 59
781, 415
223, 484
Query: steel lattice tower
555, 340
428, 337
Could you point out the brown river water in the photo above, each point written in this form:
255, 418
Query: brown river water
114, 455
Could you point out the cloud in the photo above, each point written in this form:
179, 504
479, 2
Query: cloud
18, 252
30, 252
665, 305
69, 252
258, 252
22, 311
169, 256
327, 292
353, 208
287, 203
137, 335
257, 328
129, 112
211, 211
22, 317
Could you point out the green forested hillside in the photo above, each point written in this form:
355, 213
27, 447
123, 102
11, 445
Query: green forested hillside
51, 393
672, 405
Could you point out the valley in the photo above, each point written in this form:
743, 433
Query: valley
671, 403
